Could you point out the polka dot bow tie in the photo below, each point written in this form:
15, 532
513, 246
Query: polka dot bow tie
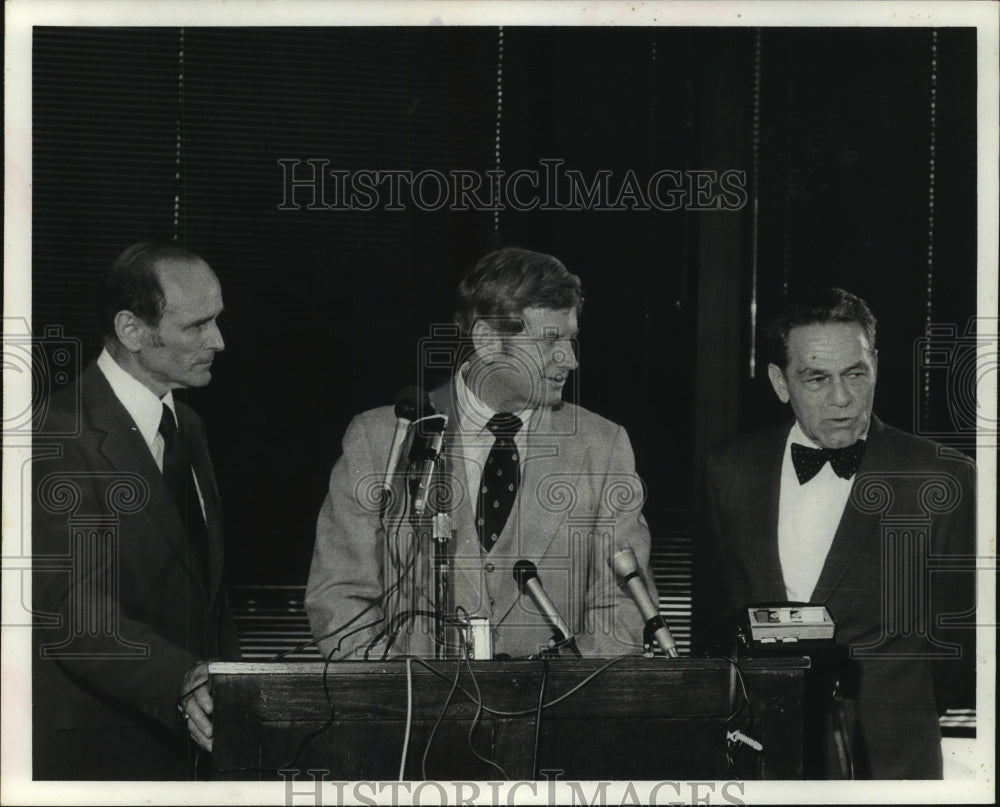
809, 461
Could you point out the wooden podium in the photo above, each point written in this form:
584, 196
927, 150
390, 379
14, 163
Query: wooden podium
635, 718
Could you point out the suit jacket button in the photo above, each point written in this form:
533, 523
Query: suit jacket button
490, 567
492, 602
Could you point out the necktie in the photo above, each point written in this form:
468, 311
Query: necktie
844, 461
500, 480
177, 474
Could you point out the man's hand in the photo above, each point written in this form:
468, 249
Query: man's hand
195, 705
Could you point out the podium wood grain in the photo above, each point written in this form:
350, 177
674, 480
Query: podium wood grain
661, 719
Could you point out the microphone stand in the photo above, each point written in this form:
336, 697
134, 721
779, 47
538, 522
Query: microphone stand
558, 642
441, 537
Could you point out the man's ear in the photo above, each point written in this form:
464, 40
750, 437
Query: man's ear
130, 330
777, 376
486, 340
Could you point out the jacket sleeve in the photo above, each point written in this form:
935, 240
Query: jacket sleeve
715, 608
954, 591
133, 666
612, 623
345, 577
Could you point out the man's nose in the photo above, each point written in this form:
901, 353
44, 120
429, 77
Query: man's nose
214, 340
564, 355
840, 395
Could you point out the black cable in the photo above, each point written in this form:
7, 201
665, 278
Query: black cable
430, 739
382, 598
317, 639
394, 627
396, 554
573, 690
478, 714
731, 746
407, 615
326, 691
538, 717
340, 641
746, 698
840, 735
530, 710
326, 724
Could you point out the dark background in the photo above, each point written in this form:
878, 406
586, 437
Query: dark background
141, 133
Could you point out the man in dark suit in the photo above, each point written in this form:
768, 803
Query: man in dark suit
127, 543
840, 509
530, 478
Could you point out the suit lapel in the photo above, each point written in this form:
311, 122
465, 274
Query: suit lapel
551, 456
201, 463
855, 527
123, 447
761, 524
467, 567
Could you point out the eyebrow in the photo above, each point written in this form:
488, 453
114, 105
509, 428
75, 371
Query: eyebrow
858, 365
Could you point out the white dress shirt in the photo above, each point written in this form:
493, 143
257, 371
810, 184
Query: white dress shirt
476, 440
145, 409
808, 517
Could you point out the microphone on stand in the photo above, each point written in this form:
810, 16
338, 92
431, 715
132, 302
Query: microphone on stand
624, 565
409, 403
526, 575
434, 426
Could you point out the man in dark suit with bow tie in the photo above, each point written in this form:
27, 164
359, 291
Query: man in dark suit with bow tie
530, 478
127, 543
840, 509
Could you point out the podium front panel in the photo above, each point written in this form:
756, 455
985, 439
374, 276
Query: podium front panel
629, 718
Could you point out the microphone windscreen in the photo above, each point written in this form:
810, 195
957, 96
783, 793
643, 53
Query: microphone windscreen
412, 402
623, 562
524, 570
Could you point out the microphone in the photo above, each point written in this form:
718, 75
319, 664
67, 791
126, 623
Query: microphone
409, 403
526, 575
626, 568
435, 426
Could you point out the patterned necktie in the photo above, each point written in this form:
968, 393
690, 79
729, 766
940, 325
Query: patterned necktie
844, 461
178, 476
500, 480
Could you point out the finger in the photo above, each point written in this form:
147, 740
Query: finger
199, 724
204, 742
204, 700
195, 677
199, 719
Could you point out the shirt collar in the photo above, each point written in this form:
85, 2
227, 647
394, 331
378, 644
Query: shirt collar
473, 413
139, 400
